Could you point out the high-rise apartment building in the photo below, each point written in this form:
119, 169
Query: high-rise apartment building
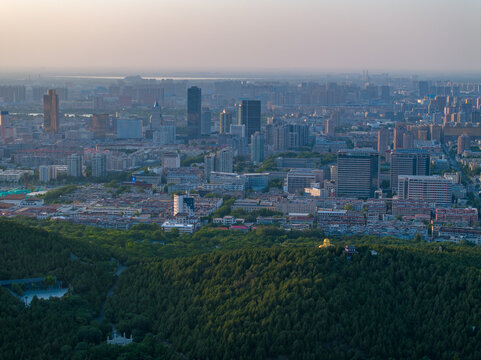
433, 189
209, 165
403, 138
257, 147
74, 165
357, 172
50, 112
224, 160
47, 173
250, 116
409, 162
194, 112
464, 143
99, 165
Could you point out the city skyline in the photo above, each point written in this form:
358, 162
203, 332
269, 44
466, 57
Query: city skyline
308, 36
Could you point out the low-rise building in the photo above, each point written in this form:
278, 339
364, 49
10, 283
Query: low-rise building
457, 216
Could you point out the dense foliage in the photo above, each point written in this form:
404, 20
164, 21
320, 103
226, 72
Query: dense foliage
224, 294
308, 303
54, 195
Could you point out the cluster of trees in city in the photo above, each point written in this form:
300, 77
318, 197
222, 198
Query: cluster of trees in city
54, 196
226, 294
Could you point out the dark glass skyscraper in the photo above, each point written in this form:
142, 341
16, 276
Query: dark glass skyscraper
250, 116
194, 112
357, 173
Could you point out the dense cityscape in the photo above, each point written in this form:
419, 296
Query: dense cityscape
359, 154
254, 180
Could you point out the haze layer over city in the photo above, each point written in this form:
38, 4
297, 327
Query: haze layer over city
240, 180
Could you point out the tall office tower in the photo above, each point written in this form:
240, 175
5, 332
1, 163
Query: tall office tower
156, 117
386, 93
464, 143
357, 172
209, 165
250, 116
382, 141
50, 112
257, 147
206, 122
74, 165
100, 125
409, 162
47, 173
183, 204
99, 165
433, 189
423, 87
225, 121
224, 160
194, 112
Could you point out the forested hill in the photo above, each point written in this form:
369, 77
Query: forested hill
217, 295
307, 304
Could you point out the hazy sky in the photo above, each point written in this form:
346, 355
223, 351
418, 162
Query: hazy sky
222, 35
